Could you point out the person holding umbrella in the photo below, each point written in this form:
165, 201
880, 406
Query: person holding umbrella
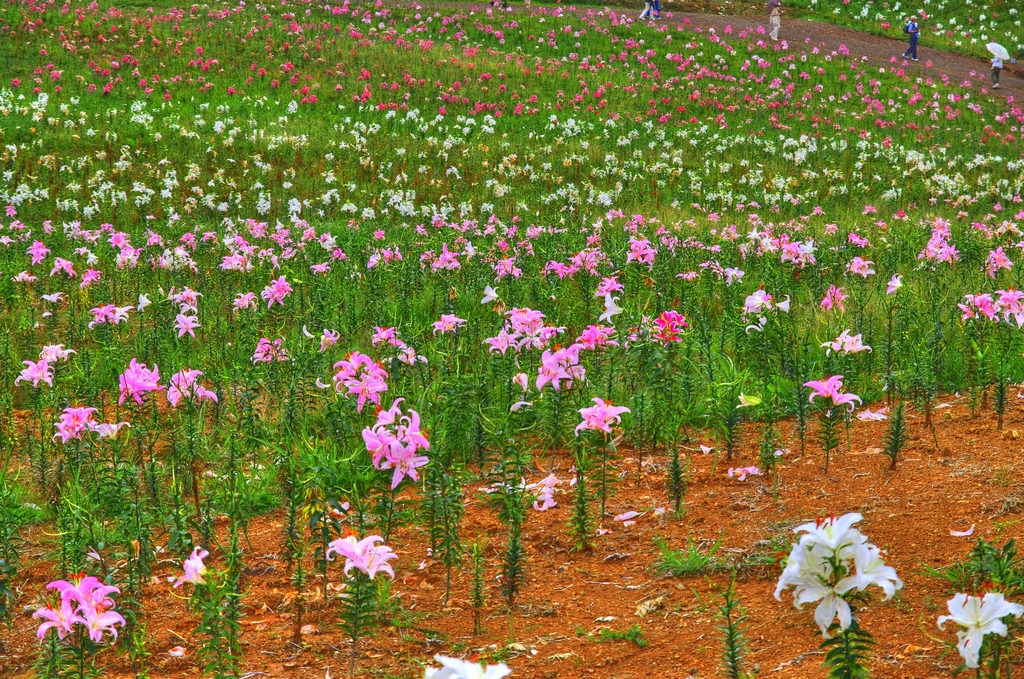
911, 29
999, 53
773, 18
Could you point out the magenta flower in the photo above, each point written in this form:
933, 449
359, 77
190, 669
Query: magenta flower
861, 267
36, 372
73, 423
362, 377
276, 292
378, 442
597, 336
670, 326
895, 283
393, 442
364, 555
98, 622
245, 300
979, 305
194, 568
600, 417
389, 335
185, 324
997, 260
829, 388
185, 385
501, 342
833, 299
38, 250
86, 603
560, 364
608, 285
328, 340
89, 277
366, 388
405, 461
52, 353
448, 323
62, 619
64, 265
138, 380
268, 352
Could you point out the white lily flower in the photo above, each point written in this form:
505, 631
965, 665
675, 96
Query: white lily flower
490, 295
610, 309
143, 303
978, 616
836, 534
871, 570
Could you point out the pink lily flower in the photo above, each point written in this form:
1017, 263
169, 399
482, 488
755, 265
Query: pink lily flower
363, 555
100, 622
73, 423
846, 344
62, 619
35, 372
448, 323
185, 385
405, 461
328, 340
833, 298
245, 300
186, 324
861, 267
276, 292
829, 388
138, 380
52, 353
194, 568
600, 416
670, 325
268, 352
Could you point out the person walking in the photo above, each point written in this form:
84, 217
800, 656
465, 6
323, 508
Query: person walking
912, 30
657, 10
997, 66
775, 22
648, 10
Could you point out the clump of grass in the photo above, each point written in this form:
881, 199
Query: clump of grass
634, 634
690, 561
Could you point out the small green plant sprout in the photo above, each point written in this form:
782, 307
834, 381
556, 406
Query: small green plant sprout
896, 436
733, 641
634, 634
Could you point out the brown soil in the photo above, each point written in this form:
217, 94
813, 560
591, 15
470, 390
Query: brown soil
972, 478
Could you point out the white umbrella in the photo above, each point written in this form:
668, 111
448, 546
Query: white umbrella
998, 50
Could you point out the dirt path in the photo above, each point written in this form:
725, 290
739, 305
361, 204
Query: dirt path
824, 36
